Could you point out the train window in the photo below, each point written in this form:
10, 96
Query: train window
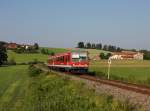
67, 58
75, 59
83, 58
62, 59
57, 59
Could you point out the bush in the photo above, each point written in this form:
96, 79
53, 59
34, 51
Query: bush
33, 71
11, 61
104, 56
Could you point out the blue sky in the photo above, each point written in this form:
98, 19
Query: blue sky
62, 23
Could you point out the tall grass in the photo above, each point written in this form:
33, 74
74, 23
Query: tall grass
20, 92
54, 93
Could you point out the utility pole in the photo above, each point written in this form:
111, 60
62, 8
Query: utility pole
109, 63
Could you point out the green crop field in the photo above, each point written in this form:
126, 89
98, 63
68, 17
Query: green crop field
128, 70
49, 92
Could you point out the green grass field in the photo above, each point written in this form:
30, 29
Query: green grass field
95, 52
131, 70
19, 58
128, 70
20, 92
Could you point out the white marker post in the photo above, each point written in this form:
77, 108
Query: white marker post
109, 63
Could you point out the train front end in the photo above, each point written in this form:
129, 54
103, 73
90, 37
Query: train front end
79, 61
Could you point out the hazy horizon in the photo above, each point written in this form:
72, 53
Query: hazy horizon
63, 23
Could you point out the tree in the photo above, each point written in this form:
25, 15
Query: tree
81, 45
36, 46
111, 48
99, 46
3, 54
43, 51
107, 55
52, 53
134, 50
118, 49
2, 43
88, 45
105, 47
93, 46
146, 54
102, 55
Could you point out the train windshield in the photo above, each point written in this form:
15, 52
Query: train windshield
79, 57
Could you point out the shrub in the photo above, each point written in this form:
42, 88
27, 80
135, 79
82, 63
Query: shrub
104, 56
33, 71
11, 61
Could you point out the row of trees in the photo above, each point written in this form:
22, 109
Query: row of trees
99, 46
146, 54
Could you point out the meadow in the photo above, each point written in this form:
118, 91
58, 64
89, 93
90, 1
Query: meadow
50, 92
28, 57
127, 70
95, 52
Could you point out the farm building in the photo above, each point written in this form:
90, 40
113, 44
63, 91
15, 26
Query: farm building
26, 46
127, 55
11, 45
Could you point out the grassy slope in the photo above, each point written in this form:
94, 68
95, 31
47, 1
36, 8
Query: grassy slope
95, 52
30, 57
128, 69
13, 82
55, 50
49, 93
26, 57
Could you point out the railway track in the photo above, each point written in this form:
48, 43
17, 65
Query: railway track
127, 86
123, 85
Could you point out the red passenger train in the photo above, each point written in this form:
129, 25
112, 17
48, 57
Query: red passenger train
76, 61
